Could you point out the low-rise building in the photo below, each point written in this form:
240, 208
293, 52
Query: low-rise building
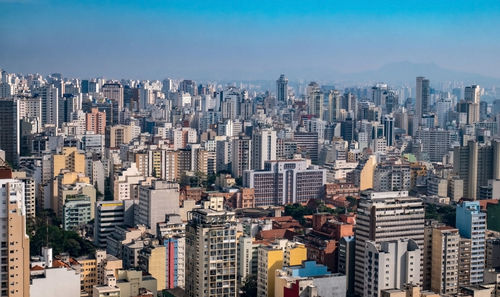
285, 181
309, 276
61, 280
275, 256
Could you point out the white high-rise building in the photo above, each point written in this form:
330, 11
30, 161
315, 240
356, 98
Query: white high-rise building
471, 223
6, 90
334, 106
390, 265
145, 97
50, 105
211, 258
264, 147
30, 107
155, 201
386, 216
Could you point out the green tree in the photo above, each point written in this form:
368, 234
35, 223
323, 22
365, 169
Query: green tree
72, 246
58, 239
298, 212
442, 213
250, 286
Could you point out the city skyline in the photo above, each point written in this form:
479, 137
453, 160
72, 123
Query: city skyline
249, 148
247, 40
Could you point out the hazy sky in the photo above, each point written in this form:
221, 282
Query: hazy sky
245, 39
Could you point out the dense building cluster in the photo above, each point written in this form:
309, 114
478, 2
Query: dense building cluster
182, 188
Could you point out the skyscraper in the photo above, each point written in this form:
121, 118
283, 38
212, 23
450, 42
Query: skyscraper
472, 94
211, 254
156, 200
316, 103
307, 143
347, 129
422, 97
241, 155
10, 130
389, 130
476, 164
188, 86
445, 250
470, 105
264, 147
173, 232
334, 105
167, 85
390, 265
50, 105
435, 142
386, 216
114, 92
282, 89
471, 223
379, 94
85, 86
15, 274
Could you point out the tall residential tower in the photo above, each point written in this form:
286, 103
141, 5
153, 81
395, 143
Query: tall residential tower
211, 254
386, 216
282, 89
422, 97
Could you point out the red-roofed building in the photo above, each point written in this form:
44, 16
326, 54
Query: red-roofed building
286, 222
322, 241
37, 268
348, 218
484, 203
276, 234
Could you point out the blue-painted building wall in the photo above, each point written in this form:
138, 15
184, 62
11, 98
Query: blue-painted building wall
309, 269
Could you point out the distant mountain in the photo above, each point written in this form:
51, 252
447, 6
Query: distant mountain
400, 72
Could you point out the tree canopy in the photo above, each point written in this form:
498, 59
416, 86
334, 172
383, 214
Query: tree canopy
59, 240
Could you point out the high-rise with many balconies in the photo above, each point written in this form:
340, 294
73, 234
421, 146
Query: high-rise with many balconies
471, 222
14, 243
444, 265
386, 216
211, 254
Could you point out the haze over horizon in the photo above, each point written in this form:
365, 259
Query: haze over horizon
249, 40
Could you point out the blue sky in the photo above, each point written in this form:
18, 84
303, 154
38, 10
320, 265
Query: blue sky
245, 39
